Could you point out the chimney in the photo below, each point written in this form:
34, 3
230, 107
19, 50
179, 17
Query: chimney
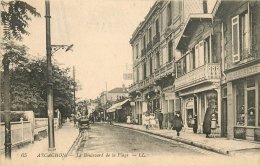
205, 6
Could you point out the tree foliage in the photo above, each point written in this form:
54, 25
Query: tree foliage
15, 17
28, 87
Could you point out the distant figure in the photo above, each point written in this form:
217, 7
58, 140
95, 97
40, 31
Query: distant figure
152, 120
177, 123
195, 124
160, 119
147, 121
207, 122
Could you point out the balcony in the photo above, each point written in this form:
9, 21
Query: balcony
149, 46
156, 38
206, 73
164, 70
143, 52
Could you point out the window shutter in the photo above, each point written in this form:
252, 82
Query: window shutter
196, 56
201, 53
235, 39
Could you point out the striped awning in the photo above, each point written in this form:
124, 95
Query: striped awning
117, 106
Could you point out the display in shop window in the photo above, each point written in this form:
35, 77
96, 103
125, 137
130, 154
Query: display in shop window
241, 116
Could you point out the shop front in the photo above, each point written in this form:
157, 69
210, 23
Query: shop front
194, 104
245, 107
168, 108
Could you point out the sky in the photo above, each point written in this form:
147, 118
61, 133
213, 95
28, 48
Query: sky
100, 31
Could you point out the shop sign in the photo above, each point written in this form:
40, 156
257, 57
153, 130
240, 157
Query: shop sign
243, 72
169, 96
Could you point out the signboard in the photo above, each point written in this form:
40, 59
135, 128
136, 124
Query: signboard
243, 72
169, 96
128, 76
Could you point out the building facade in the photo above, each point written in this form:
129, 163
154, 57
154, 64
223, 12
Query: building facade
240, 30
153, 44
199, 58
198, 71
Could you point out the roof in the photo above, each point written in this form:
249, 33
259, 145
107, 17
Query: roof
193, 17
117, 106
118, 90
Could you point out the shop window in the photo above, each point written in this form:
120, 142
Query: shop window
251, 108
189, 117
258, 101
251, 95
240, 116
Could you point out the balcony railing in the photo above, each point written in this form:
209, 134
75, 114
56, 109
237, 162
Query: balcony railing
143, 52
149, 46
200, 75
156, 38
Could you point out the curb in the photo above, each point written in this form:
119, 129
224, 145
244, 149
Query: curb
185, 141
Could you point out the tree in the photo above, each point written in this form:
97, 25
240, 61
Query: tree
14, 18
28, 88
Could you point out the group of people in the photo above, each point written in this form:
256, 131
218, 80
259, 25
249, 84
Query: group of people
177, 122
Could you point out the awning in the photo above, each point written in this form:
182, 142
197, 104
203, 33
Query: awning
117, 106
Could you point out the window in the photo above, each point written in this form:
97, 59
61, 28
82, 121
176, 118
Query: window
170, 49
137, 75
157, 26
137, 50
151, 66
251, 104
157, 60
144, 70
240, 36
144, 42
169, 14
258, 100
150, 34
240, 105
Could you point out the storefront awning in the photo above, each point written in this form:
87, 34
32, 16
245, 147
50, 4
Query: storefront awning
117, 106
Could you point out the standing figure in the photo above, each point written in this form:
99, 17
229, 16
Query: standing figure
160, 119
147, 121
207, 122
177, 123
152, 120
195, 124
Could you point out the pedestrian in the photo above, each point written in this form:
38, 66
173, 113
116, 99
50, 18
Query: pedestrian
152, 120
177, 123
147, 121
160, 119
195, 123
207, 121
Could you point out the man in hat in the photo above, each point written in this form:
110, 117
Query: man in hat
160, 119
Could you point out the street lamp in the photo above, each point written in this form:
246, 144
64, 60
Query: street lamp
49, 49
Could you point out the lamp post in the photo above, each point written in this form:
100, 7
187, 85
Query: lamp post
49, 49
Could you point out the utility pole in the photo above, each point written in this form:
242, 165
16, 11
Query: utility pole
106, 104
49, 79
74, 88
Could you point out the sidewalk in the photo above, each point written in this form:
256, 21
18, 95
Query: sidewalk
219, 145
64, 138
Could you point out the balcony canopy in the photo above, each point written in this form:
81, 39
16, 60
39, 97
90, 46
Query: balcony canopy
189, 28
117, 106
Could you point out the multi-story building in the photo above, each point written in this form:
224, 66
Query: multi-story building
240, 55
153, 44
198, 70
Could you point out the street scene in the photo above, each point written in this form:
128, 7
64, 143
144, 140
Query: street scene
131, 82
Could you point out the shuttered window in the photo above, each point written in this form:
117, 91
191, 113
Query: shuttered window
235, 39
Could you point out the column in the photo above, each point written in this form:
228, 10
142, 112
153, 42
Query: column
230, 110
219, 107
